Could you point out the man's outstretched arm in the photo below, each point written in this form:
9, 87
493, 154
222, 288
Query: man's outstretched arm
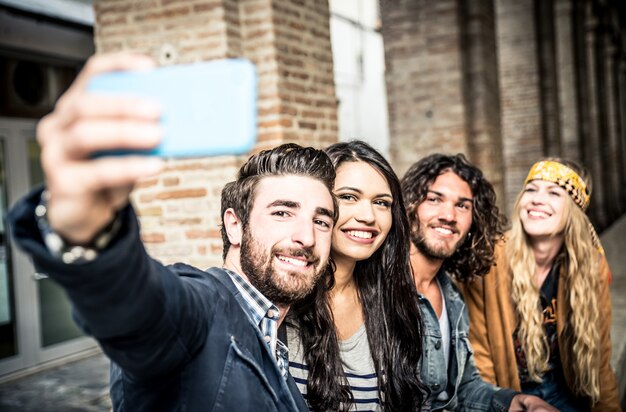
86, 192
134, 306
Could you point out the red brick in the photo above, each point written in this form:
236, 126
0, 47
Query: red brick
179, 194
202, 234
143, 183
150, 211
153, 237
171, 181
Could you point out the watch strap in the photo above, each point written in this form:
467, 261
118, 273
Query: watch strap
72, 254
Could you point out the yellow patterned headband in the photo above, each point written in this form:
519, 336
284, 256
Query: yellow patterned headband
563, 176
569, 180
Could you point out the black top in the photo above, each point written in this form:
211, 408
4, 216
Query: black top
548, 301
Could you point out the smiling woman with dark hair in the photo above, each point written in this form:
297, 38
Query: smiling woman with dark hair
363, 322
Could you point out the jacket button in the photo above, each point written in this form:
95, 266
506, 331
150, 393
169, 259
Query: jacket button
438, 345
436, 387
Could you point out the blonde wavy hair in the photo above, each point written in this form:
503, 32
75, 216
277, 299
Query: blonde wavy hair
580, 273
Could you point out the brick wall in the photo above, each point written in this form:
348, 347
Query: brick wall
511, 82
612, 155
423, 78
567, 91
289, 42
301, 106
442, 82
621, 110
519, 92
481, 90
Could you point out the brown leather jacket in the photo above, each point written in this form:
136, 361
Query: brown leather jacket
493, 321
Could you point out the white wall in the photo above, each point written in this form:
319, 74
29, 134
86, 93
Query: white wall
359, 72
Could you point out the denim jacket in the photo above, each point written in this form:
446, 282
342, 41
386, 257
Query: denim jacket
466, 389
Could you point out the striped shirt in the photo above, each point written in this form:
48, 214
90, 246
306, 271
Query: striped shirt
264, 314
357, 366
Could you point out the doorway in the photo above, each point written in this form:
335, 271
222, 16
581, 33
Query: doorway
36, 325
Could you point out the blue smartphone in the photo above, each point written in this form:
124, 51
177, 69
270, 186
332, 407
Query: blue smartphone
209, 108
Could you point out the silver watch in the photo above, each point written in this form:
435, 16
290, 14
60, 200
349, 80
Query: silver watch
72, 254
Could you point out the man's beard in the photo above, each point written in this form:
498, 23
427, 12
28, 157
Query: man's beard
430, 250
280, 289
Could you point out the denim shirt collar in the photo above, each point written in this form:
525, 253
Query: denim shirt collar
435, 374
454, 301
264, 314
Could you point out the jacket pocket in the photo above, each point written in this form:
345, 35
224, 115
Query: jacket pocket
464, 353
244, 386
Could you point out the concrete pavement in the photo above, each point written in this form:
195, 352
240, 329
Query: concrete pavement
83, 385
80, 386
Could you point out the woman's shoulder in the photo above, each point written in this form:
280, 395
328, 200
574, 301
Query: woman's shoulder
498, 273
294, 343
500, 257
603, 268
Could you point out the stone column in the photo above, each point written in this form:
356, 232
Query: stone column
520, 102
424, 79
592, 151
567, 88
481, 90
621, 72
548, 78
442, 82
612, 149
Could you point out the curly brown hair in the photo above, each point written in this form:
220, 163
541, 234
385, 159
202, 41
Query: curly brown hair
475, 256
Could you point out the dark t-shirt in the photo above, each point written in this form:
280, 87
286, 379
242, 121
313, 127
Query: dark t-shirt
548, 299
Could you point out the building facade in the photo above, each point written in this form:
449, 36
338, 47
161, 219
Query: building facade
508, 82
287, 40
503, 81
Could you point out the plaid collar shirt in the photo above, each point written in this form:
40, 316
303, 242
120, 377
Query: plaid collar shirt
264, 314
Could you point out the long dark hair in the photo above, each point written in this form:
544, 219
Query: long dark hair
475, 256
390, 306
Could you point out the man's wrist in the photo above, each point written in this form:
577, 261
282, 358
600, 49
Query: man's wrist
68, 253
502, 399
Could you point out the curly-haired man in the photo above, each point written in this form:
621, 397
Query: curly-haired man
455, 224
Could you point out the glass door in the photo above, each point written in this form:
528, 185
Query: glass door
8, 338
36, 325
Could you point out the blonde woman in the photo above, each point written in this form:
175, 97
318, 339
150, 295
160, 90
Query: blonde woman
540, 320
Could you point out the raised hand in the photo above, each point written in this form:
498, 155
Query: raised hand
86, 192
